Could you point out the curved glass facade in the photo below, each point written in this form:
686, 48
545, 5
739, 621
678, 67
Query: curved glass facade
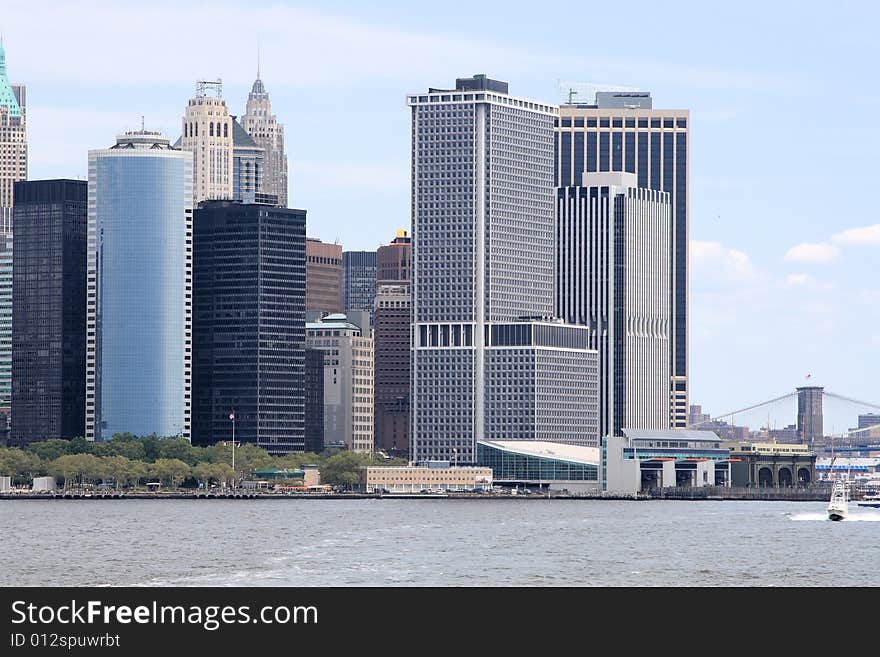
509, 465
140, 241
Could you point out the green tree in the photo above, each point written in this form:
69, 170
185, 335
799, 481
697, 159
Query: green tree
51, 449
118, 468
152, 447
20, 464
75, 468
79, 445
343, 469
179, 448
170, 470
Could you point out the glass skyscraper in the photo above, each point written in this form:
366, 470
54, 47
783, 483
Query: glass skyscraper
249, 327
359, 281
49, 310
139, 307
621, 131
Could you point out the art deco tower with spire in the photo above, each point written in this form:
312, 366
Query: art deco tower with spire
13, 167
264, 128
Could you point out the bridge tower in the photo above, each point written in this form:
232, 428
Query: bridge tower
809, 416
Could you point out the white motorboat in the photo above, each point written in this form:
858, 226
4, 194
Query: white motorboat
838, 507
871, 500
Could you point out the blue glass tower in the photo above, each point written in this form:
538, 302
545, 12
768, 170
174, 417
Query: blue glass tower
139, 304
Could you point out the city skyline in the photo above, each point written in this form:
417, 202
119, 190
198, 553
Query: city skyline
781, 283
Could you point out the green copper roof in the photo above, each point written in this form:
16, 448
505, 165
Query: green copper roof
7, 97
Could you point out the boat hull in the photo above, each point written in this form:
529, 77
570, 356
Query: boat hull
832, 515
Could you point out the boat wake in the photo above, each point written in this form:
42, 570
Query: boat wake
861, 516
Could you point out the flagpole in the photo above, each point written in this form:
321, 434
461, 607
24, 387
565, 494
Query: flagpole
232, 417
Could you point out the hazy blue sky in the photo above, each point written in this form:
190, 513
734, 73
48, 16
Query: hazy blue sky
784, 99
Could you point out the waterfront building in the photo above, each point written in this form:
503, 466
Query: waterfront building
249, 290
314, 406
139, 287
208, 134
645, 459
809, 416
49, 310
392, 336
323, 277
869, 420
358, 282
613, 268
348, 381
394, 260
541, 465
13, 168
263, 127
621, 131
433, 476
248, 166
766, 464
482, 254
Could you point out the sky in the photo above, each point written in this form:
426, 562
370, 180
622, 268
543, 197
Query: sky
784, 237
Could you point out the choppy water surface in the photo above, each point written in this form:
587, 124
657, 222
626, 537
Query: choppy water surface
435, 542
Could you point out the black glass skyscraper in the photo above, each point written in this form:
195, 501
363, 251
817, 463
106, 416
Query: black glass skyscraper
249, 288
314, 401
49, 310
359, 280
621, 131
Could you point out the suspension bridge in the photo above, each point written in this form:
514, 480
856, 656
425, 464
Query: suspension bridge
800, 416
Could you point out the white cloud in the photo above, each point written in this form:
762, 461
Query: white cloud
816, 254
712, 262
867, 236
798, 279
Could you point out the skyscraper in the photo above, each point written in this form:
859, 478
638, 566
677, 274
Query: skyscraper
621, 131
139, 285
208, 134
13, 167
13, 140
613, 262
248, 165
261, 124
49, 310
358, 281
323, 277
249, 325
314, 406
483, 235
392, 332
394, 260
348, 381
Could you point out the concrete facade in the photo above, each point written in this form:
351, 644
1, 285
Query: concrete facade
268, 133
348, 381
207, 132
323, 276
433, 477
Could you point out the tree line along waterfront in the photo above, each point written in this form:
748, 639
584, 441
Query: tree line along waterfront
130, 462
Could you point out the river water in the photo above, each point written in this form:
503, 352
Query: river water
485, 542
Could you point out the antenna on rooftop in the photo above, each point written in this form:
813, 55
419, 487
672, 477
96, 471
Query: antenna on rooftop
203, 86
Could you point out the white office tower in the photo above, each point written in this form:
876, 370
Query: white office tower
208, 134
483, 234
614, 259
